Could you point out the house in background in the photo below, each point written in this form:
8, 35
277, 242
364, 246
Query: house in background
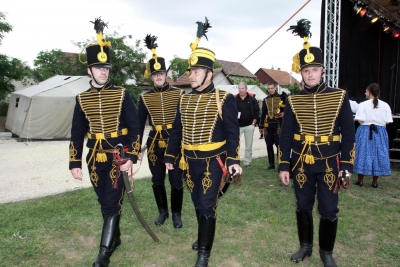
278, 76
219, 78
235, 69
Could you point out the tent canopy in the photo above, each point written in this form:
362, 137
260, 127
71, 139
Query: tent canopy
44, 110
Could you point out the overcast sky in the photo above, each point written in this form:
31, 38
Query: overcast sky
238, 27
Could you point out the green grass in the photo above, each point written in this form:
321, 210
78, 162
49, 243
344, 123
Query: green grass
256, 226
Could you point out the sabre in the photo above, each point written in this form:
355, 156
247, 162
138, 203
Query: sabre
128, 188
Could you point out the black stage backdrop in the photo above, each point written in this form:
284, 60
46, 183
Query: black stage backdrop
367, 55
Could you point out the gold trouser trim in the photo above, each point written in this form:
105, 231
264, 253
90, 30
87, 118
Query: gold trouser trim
329, 177
161, 143
108, 135
183, 165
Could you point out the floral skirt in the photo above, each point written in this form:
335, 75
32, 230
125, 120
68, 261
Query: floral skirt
372, 155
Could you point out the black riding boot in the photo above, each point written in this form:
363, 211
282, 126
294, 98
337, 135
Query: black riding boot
305, 232
206, 235
327, 236
195, 245
176, 206
161, 199
117, 237
109, 231
271, 157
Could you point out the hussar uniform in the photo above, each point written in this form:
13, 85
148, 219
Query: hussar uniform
107, 117
272, 107
318, 138
158, 106
206, 134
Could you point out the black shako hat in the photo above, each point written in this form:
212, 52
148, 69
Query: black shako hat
156, 63
98, 54
309, 55
201, 57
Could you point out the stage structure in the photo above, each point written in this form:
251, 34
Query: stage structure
332, 41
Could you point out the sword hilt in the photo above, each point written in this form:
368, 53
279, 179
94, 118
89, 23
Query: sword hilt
121, 150
118, 162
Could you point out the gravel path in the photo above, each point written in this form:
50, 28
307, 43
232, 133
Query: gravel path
35, 169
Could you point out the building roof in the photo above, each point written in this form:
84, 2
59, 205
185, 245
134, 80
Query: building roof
235, 69
280, 77
183, 81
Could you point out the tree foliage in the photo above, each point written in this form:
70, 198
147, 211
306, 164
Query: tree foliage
11, 68
4, 26
249, 81
56, 62
294, 89
178, 67
127, 63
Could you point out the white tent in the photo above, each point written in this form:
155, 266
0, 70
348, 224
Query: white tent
254, 89
44, 111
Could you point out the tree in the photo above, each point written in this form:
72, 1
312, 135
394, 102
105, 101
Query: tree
249, 81
127, 63
4, 26
294, 89
56, 62
178, 67
11, 68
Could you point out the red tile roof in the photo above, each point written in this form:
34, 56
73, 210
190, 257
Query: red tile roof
235, 69
280, 77
183, 81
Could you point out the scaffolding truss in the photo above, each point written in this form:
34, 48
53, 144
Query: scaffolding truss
332, 41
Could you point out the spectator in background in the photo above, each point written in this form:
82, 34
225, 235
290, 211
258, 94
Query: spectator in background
353, 106
270, 123
248, 114
372, 145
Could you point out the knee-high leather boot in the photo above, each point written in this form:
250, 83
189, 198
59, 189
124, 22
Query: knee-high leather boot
195, 245
117, 238
327, 237
107, 237
305, 232
176, 206
271, 157
161, 199
206, 235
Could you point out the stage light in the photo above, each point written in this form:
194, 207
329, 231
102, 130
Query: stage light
396, 34
357, 8
385, 27
363, 11
374, 19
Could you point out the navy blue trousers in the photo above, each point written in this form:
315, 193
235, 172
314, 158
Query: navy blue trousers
205, 192
158, 169
316, 186
110, 199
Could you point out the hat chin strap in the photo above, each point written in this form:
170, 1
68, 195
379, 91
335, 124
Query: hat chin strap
202, 83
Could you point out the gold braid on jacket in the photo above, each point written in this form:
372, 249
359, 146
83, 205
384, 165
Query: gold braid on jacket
162, 109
